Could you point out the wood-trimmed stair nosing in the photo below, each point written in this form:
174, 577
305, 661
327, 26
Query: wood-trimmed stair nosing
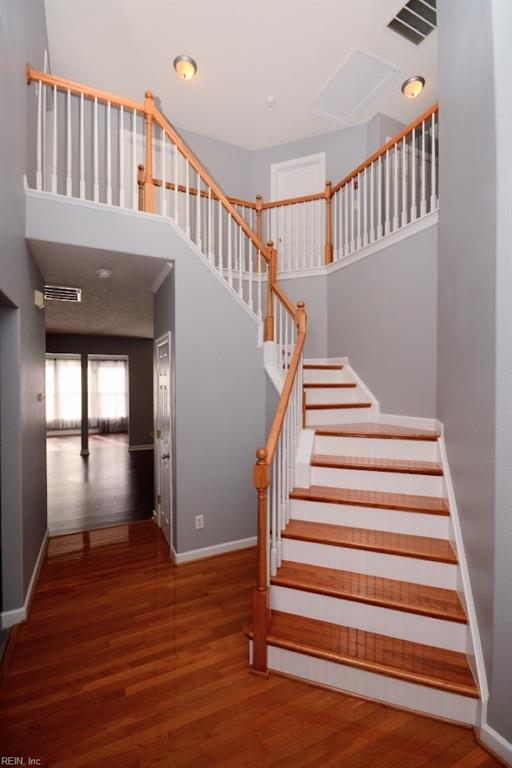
335, 406
374, 430
323, 366
370, 652
330, 385
402, 502
383, 542
402, 466
408, 597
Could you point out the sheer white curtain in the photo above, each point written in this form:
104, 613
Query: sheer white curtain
108, 395
63, 393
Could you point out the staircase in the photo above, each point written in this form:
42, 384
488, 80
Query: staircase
367, 598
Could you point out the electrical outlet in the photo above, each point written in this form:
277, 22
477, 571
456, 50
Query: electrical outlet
199, 522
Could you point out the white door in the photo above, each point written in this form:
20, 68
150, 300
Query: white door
163, 435
297, 230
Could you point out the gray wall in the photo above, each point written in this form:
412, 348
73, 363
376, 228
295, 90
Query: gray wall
140, 373
467, 341
382, 315
23, 456
220, 418
313, 291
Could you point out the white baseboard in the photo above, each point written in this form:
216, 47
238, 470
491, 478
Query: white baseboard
148, 447
16, 615
216, 549
495, 742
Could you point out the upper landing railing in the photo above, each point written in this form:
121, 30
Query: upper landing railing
97, 146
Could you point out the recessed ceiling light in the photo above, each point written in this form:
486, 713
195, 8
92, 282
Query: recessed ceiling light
185, 67
103, 273
271, 101
413, 86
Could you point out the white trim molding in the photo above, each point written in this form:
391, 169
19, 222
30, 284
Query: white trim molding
495, 742
147, 447
216, 549
16, 615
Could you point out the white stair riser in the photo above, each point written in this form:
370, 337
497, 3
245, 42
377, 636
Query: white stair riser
319, 376
376, 448
372, 618
340, 415
389, 482
380, 564
335, 395
414, 523
389, 690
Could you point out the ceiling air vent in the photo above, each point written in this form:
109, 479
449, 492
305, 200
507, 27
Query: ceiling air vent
415, 21
61, 293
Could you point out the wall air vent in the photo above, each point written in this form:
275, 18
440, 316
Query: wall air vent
415, 21
62, 293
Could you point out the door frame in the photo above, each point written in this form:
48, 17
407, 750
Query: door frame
164, 338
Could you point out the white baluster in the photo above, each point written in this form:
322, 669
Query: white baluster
199, 240
109, 158
404, 183
352, 217
230, 251
121, 157
82, 149
273, 545
176, 184
395, 190
413, 179
346, 222
54, 148
372, 202
164, 179
221, 258
259, 272
433, 196
39, 139
44, 161
69, 179
359, 233
210, 244
250, 266
96, 184
380, 201
365, 209
135, 187
387, 228
423, 204
240, 263
187, 198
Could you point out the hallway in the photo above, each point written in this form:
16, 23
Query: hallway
110, 486
135, 663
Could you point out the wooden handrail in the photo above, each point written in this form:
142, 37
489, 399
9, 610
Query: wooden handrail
34, 75
293, 200
391, 143
194, 192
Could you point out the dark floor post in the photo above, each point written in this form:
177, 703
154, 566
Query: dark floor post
85, 408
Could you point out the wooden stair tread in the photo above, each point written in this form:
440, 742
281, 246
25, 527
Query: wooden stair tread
330, 385
378, 465
372, 429
328, 406
406, 545
404, 502
323, 366
420, 599
402, 659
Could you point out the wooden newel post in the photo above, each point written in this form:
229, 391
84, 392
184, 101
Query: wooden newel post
141, 178
259, 209
328, 222
271, 280
149, 112
260, 604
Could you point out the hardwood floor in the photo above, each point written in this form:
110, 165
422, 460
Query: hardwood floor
110, 486
128, 662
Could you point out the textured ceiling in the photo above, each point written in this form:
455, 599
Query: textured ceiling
120, 306
246, 51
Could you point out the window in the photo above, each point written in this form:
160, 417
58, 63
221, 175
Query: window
108, 395
63, 393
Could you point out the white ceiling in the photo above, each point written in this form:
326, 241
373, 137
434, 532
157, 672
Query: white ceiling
122, 305
245, 50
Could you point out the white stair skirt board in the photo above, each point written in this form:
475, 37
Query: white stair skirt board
373, 480
372, 618
496, 743
215, 549
375, 448
369, 685
395, 521
428, 572
15, 616
340, 416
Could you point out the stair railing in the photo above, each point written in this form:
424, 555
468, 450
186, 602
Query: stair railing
94, 145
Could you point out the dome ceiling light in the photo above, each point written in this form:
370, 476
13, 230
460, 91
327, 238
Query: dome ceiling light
185, 67
413, 86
